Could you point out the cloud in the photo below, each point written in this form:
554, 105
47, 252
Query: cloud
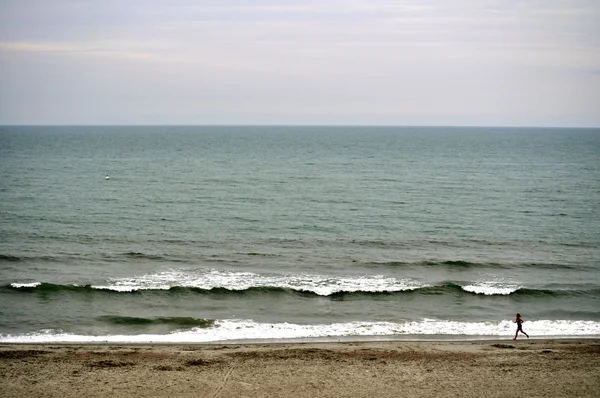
369, 57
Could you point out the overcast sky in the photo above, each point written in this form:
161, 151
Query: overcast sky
368, 62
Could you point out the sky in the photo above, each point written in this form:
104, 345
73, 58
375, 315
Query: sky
288, 62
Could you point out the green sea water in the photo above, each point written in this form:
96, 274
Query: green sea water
220, 233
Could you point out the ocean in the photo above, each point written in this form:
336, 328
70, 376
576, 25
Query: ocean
224, 233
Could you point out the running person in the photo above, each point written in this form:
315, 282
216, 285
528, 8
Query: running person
519, 321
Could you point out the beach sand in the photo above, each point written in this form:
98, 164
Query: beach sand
530, 368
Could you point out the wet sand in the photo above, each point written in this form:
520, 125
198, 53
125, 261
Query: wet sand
530, 368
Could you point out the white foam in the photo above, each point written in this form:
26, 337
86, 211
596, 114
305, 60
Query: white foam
491, 288
323, 285
20, 285
249, 330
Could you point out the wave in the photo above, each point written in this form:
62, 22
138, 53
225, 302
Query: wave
85, 257
9, 259
175, 258
176, 321
400, 264
48, 287
447, 288
144, 256
460, 264
249, 330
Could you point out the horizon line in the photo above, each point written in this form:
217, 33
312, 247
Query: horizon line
313, 125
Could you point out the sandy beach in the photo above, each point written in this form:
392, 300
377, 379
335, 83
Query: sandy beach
530, 368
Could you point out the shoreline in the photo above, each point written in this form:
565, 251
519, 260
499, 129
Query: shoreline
494, 368
317, 340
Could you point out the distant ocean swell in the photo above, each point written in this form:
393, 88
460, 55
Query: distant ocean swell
172, 258
248, 330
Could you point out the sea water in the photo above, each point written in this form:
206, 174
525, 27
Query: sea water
198, 234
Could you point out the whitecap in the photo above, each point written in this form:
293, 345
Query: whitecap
20, 285
491, 288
